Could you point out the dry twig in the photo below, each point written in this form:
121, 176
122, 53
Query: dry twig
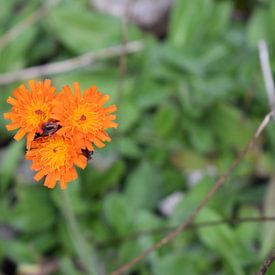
135, 235
267, 263
267, 73
70, 64
123, 58
204, 202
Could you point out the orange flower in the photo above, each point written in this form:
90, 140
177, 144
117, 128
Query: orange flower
83, 117
54, 157
30, 109
61, 129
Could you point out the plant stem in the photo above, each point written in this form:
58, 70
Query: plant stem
85, 253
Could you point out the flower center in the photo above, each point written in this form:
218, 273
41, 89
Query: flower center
36, 114
54, 153
39, 112
83, 118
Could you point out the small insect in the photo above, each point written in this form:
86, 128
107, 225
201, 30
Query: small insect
87, 153
48, 129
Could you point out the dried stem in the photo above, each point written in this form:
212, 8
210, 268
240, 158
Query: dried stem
267, 263
267, 73
70, 64
135, 235
204, 202
27, 22
123, 57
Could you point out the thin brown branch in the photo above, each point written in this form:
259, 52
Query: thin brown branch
135, 235
70, 64
170, 236
267, 263
27, 22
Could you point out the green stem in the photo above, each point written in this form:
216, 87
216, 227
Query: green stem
85, 253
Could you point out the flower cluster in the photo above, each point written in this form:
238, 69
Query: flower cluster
61, 129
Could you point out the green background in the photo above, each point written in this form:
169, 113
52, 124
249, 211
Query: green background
187, 104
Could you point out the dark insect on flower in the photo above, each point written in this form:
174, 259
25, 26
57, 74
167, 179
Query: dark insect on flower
88, 154
48, 129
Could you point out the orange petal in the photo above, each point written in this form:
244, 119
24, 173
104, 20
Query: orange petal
67, 91
73, 173
23, 89
21, 132
111, 109
103, 100
47, 84
32, 85
7, 115
113, 125
112, 117
98, 143
89, 146
11, 101
77, 90
103, 136
13, 126
70, 175
93, 88
63, 184
30, 138
50, 180
39, 175
81, 162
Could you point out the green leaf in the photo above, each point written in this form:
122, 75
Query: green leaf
97, 182
248, 233
260, 25
201, 138
151, 93
33, 211
46, 241
174, 264
166, 120
14, 55
221, 239
105, 78
83, 30
224, 122
196, 21
191, 200
78, 205
118, 213
143, 189
9, 163
67, 266
127, 147
127, 115
18, 250
173, 180
189, 160
5, 12
268, 232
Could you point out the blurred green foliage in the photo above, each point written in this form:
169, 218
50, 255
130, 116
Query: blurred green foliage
189, 103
